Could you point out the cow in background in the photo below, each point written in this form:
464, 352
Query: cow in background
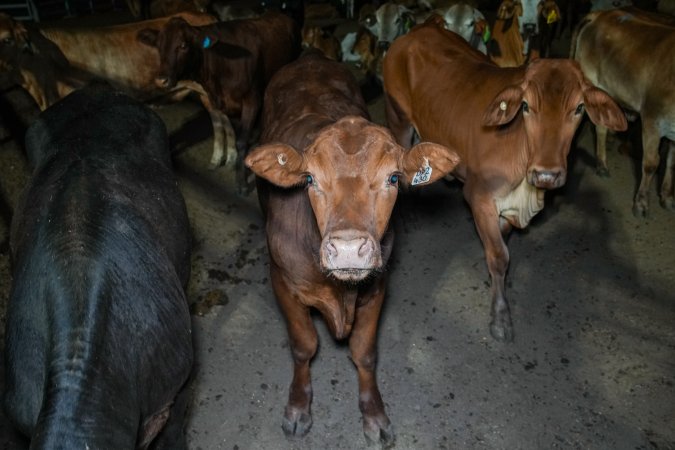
98, 344
507, 48
36, 64
513, 133
629, 53
389, 21
469, 23
327, 182
233, 61
51, 61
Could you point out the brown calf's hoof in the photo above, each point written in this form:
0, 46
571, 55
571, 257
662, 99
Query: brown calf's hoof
502, 330
296, 423
668, 203
602, 171
640, 210
379, 432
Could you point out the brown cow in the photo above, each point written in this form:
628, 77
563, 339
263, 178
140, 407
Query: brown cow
327, 182
630, 55
109, 53
232, 60
513, 130
507, 48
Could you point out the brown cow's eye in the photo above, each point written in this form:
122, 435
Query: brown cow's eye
393, 179
526, 107
310, 180
183, 45
8, 41
580, 109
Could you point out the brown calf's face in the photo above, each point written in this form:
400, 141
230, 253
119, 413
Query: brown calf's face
176, 43
352, 171
552, 99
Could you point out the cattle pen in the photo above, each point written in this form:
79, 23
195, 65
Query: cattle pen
591, 287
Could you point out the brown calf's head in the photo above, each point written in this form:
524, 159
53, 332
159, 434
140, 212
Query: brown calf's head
352, 171
550, 101
178, 44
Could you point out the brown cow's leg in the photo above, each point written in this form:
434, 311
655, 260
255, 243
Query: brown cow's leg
650, 163
497, 257
249, 113
303, 341
601, 151
667, 185
363, 346
398, 123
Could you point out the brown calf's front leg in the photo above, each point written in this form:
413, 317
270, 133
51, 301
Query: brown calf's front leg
363, 346
650, 164
497, 257
667, 200
303, 342
249, 115
601, 151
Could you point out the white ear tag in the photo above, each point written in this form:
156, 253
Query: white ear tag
423, 175
282, 158
502, 105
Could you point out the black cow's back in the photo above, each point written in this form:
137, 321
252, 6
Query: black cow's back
98, 324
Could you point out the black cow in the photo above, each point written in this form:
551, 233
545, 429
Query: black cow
98, 338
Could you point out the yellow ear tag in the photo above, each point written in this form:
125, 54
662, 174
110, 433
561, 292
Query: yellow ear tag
552, 17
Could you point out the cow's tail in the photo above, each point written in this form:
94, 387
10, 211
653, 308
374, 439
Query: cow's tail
588, 18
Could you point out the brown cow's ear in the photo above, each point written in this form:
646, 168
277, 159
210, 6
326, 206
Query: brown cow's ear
603, 110
426, 162
147, 36
280, 164
21, 37
504, 107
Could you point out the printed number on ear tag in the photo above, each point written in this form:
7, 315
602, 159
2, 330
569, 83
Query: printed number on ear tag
423, 175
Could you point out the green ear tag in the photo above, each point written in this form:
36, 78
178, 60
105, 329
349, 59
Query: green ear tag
486, 34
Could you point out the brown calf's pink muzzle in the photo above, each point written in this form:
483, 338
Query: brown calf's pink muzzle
546, 179
350, 255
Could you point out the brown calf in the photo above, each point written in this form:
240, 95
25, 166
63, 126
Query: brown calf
328, 179
513, 131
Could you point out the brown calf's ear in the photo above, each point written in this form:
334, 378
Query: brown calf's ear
280, 164
21, 37
504, 107
603, 110
426, 162
147, 36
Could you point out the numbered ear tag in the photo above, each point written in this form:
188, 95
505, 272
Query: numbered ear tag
423, 175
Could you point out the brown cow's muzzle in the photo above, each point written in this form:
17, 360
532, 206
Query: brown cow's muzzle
164, 81
350, 255
546, 179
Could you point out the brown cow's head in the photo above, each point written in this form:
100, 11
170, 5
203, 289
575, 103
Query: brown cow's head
352, 171
550, 101
178, 44
13, 40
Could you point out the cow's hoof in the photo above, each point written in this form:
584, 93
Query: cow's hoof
668, 203
640, 210
296, 423
602, 171
502, 331
379, 433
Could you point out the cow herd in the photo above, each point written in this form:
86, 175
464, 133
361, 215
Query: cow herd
98, 342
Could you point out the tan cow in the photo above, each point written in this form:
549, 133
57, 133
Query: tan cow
631, 55
328, 179
507, 48
513, 128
